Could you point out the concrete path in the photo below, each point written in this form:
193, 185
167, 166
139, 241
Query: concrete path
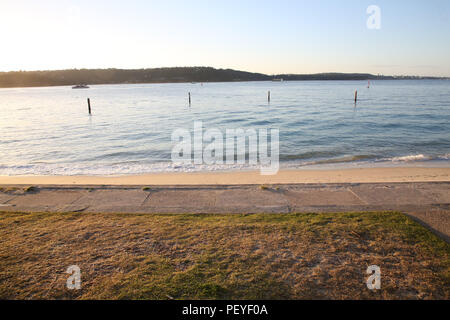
428, 203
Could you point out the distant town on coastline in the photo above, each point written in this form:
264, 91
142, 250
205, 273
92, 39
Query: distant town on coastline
166, 75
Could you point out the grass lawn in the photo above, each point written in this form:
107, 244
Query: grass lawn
255, 256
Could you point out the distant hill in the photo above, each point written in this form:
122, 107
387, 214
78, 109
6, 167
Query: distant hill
334, 76
158, 75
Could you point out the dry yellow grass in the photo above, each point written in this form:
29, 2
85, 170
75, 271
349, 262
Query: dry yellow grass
281, 256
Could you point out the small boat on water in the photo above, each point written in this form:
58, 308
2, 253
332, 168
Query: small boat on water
278, 79
80, 86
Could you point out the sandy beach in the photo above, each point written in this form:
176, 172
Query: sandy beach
362, 175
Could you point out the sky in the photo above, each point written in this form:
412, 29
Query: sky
271, 37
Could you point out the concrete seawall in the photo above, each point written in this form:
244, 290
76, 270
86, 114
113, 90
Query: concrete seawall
428, 203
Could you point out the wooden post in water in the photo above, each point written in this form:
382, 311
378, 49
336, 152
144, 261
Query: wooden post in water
356, 96
189, 94
268, 96
89, 105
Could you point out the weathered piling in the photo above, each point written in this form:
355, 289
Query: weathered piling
268, 96
356, 96
89, 105
189, 94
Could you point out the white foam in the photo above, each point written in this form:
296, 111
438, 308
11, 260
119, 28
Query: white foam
115, 169
136, 168
412, 157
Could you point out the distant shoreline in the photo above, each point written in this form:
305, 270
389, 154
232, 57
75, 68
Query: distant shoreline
185, 82
205, 82
52, 78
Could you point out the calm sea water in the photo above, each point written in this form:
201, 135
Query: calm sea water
47, 131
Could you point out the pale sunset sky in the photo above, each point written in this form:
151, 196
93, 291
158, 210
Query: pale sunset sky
278, 36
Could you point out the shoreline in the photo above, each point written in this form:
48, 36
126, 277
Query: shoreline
72, 77
294, 176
